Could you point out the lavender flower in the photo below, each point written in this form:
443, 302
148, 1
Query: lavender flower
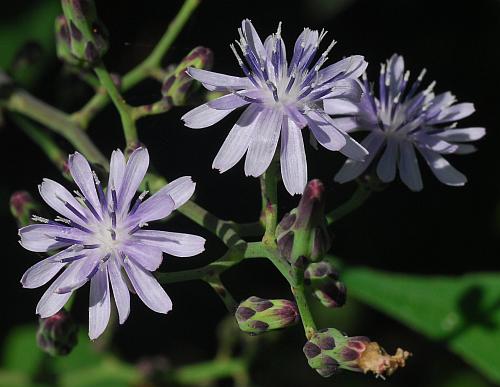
403, 120
102, 239
281, 98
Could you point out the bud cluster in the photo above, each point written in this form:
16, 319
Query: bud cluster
177, 84
329, 350
257, 315
324, 282
81, 38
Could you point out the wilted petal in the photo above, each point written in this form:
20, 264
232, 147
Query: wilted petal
177, 244
442, 168
99, 303
238, 140
148, 288
120, 290
135, 170
293, 158
408, 166
263, 144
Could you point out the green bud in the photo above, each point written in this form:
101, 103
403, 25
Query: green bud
324, 282
23, 207
177, 84
63, 41
329, 350
302, 234
88, 37
256, 315
57, 334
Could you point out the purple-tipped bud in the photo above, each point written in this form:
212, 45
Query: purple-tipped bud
302, 234
22, 207
329, 350
57, 334
256, 315
324, 282
177, 85
82, 39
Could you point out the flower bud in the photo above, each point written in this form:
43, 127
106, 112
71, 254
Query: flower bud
325, 285
256, 315
302, 234
329, 350
177, 84
22, 207
57, 334
88, 37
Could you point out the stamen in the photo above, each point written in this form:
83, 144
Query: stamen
113, 234
75, 211
73, 258
36, 218
138, 202
67, 240
88, 204
90, 247
100, 191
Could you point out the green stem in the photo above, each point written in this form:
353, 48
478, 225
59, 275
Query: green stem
301, 300
208, 371
24, 103
269, 192
361, 194
128, 122
148, 67
219, 288
55, 154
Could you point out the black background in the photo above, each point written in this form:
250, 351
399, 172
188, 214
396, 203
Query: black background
442, 230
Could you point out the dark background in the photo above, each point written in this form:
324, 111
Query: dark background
442, 230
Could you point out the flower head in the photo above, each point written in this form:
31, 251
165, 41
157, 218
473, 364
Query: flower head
281, 98
402, 119
102, 240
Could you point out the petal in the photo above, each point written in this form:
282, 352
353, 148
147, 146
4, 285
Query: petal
463, 134
353, 149
454, 113
80, 277
340, 106
120, 290
55, 195
41, 273
347, 124
326, 134
99, 303
263, 145
41, 237
408, 166
84, 179
116, 173
51, 302
293, 158
349, 89
149, 257
352, 168
173, 243
442, 168
351, 67
235, 100
236, 143
213, 81
180, 190
253, 39
465, 149
204, 116
147, 288
158, 206
135, 170
386, 168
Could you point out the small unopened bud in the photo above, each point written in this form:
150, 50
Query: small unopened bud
302, 234
88, 37
57, 334
177, 84
22, 207
63, 41
329, 350
324, 282
256, 315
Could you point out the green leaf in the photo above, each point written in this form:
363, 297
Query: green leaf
21, 353
83, 356
462, 311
